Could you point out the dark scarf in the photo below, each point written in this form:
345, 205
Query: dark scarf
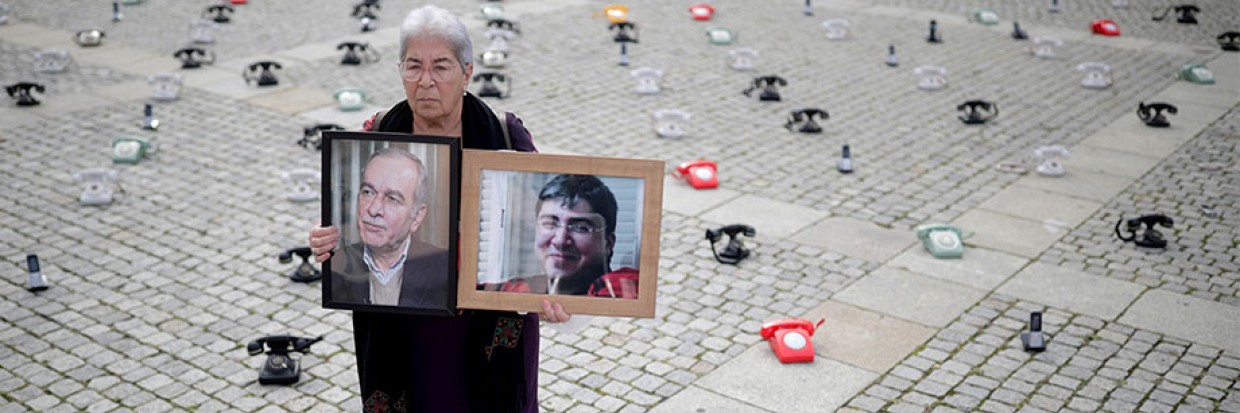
479, 127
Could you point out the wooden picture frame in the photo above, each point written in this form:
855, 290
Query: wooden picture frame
369, 187
518, 250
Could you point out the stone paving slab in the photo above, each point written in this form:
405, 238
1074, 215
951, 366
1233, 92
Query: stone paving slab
1190, 318
1040, 205
1020, 236
1137, 141
1087, 157
694, 399
1078, 183
758, 378
856, 238
980, 268
756, 212
681, 198
294, 100
863, 338
914, 297
350, 120
1079, 292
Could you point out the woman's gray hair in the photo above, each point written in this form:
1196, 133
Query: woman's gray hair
431, 21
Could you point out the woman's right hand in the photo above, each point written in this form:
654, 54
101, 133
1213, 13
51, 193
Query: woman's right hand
323, 241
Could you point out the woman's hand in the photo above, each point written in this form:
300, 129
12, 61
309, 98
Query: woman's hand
323, 241
554, 313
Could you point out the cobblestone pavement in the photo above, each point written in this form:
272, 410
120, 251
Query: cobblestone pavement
154, 296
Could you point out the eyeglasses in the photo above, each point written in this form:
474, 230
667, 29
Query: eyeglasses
576, 227
412, 71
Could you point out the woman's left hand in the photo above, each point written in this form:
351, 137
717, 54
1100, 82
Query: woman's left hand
554, 313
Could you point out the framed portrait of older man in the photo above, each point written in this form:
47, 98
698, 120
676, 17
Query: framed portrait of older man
395, 199
577, 230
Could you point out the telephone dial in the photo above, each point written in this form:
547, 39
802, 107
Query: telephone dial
35, 283
647, 80
670, 123
1152, 114
1034, 339
194, 57
1097, 75
130, 149
932, 77
805, 117
934, 36
892, 60
499, 39
1187, 13
701, 11
489, 89
219, 13
942, 240
1105, 27
720, 35
1018, 33
279, 367
23, 92
504, 25
305, 272
700, 174
1151, 237
1051, 160
167, 85
1044, 47
977, 112
770, 92
491, 10
89, 37
1195, 73
790, 339
260, 73
202, 31
357, 53
742, 59
494, 59
986, 17
350, 99
313, 135
626, 32
51, 61
735, 251
97, 185
837, 29
1229, 41
616, 13
304, 184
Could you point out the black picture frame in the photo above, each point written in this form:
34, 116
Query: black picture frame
434, 244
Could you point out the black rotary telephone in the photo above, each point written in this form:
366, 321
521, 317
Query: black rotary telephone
1229, 41
22, 92
977, 112
1187, 13
314, 135
365, 9
769, 91
1152, 114
261, 73
506, 25
305, 272
352, 56
626, 32
735, 251
279, 367
1151, 237
221, 13
489, 89
193, 57
807, 115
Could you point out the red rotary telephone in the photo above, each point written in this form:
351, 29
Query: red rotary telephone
1105, 27
701, 174
789, 339
701, 11
237, 1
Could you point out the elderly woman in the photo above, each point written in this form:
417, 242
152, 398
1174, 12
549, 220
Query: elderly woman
478, 361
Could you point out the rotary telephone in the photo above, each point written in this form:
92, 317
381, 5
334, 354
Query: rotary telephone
97, 185
807, 116
89, 37
932, 77
1151, 237
499, 39
1186, 13
986, 17
1105, 27
1195, 73
130, 149
51, 61
202, 30
647, 80
720, 35
615, 13
167, 85
350, 99
670, 123
503, 24
1229, 41
305, 272
279, 367
700, 174
1097, 75
194, 57
1152, 114
265, 77
365, 14
1050, 156
314, 135
735, 251
35, 283
351, 56
489, 89
977, 112
494, 58
837, 29
304, 184
218, 13
742, 59
770, 93
626, 32
491, 10
942, 240
22, 92
790, 339
1044, 47
701, 11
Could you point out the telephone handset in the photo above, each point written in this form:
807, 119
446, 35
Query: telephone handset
52, 61
1097, 75
700, 174
279, 367
97, 185
499, 39
202, 30
626, 32
305, 272
365, 9
1151, 237
942, 240
932, 77
260, 72
89, 37
1044, 47
1229, 41
314, 135
352, 56
22, 92
742, 59
489, 89
976, 112
669, 123
194, 57
221, 13
504, 24
1186, 13
1152, 113
130, 149
790, 339
304, 184
769, 90
735, 251
1195, 73
807, 116
1051, 155
350, 99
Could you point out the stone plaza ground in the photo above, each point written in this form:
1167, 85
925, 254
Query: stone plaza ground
154, 296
